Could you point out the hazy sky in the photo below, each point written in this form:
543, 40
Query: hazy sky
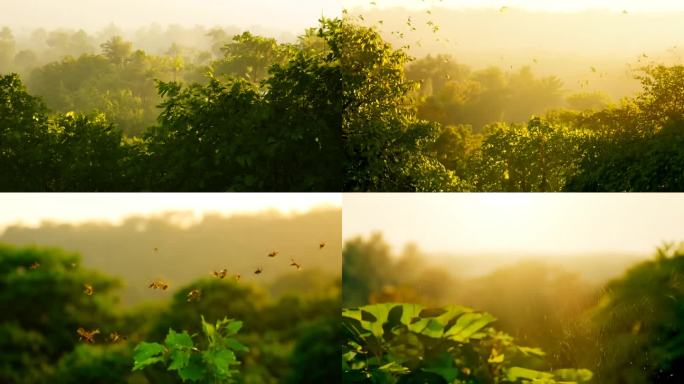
536, 223
31, 209
285, 15
545, 5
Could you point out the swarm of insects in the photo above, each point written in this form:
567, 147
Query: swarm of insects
159, 284
321, 245
35, 265
194, 295
88, 337
258, 271
273, 254
295, 264
88, 289
220, 274
115, 337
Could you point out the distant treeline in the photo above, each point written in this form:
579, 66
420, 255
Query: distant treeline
23, 51
104, 72
141, 249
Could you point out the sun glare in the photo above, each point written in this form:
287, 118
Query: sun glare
625, 6
31, 209
502, 222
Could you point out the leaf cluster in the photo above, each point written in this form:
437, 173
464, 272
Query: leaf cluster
408, 343
215, 363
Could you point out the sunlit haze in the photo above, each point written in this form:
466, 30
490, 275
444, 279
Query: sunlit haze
588, 45
92, 14
559, 224
536, 5
32, 209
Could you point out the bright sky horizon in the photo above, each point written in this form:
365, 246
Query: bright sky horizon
279, 15
553, 224
531, 5
33, 208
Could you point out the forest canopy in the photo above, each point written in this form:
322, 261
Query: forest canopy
264, 116
337, 109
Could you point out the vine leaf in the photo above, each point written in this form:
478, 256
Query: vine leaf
147, 354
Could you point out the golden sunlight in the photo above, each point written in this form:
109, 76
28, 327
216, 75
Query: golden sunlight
625, 6
554, 224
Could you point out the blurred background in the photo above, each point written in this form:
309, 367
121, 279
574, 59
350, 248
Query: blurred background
559, 48
52, 247
479, 62
595, 280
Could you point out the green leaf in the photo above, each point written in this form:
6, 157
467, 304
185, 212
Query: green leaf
452, 311
178, 340
443, 365
352, 313
394, 368
180, 345
179, 359
467, 325
193, 371
532, 351
430, 327
578, 375
379, 312
233, 327
219, 361
496, 358
409, 312
517, 373
348, 356
235, 345
208, 330
147, 354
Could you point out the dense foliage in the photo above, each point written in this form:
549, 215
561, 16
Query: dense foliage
407, 343
624, 329
633, 146
339, 109
477, 130
386, 146
217, 363
639, 317
43, 305
267, 116
53, 330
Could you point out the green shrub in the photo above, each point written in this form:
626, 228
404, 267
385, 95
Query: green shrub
407, 343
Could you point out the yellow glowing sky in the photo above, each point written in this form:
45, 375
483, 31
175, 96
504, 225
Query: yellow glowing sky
31, 209
535, 5
535, 223
288, 15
